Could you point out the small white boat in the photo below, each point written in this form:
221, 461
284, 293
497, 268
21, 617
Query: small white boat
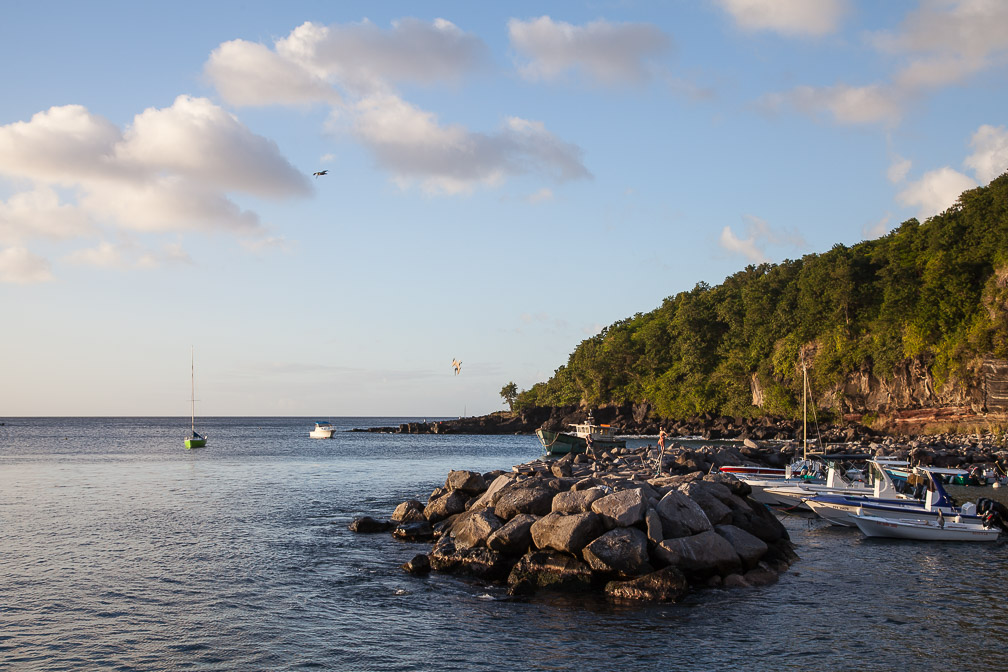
934, 529
323, 430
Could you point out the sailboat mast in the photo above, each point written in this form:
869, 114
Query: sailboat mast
192, 365
804, 402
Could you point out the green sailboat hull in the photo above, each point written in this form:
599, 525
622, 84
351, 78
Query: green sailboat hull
195, 443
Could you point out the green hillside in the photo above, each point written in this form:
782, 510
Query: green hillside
931, 295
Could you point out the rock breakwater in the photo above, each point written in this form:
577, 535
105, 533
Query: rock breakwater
612, 522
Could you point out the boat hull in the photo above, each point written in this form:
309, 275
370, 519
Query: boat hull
562, 443
924, 530
195, 443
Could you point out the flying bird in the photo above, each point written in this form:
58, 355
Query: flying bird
320, 173
457, 365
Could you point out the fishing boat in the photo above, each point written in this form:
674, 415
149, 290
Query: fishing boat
195, 440
323, 430
938, 529
601, 437
844, 509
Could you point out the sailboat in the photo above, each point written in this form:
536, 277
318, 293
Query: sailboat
196, 440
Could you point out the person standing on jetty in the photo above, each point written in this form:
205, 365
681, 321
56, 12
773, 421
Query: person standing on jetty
661, 449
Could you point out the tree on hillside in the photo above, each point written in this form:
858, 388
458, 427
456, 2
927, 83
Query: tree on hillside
509, 393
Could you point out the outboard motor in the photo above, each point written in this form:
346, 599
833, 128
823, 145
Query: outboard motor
993, 513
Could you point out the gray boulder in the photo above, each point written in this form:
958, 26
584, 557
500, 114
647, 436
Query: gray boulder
569, 534
702, 554
469, 482
368, 525
410, 511
748, 547
665, 585
576, 501
533, 498
493, 493
717, 512
653, 525
480, 562
623, 550
621, 509
549, 569
681, 516
514, 537
474, 529
416, 531
446, 505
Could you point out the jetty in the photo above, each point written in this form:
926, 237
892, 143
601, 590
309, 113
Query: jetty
617, 522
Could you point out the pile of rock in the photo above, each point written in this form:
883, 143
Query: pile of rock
603, 523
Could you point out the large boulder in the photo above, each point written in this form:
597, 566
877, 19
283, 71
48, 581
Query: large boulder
518, 498
622, 508
549, 569
410, 511
469, 482
415, 531
473, 529
479, 562
706, 495
576, 501
446, 505
514, 537
368, 525
681, 516
623, 550
701, 554
493, 493
748, 547
665, 585
569, 534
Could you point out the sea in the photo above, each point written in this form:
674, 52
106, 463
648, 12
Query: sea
121, 550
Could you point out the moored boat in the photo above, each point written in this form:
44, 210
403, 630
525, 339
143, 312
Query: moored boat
601, 437
937, 529
194, 440
323, 430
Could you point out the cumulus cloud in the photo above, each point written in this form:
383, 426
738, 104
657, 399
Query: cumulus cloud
604, 52
21, 267
316, 62
354, 69
128, 255
845, 104
990, 155
412, 145
946, 41
758, 235
171, 169
935, 192
788, 17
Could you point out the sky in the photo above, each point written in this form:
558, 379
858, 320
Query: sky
502, 181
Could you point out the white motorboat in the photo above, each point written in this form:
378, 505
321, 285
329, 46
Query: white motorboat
323, 430
937, 529
843, 509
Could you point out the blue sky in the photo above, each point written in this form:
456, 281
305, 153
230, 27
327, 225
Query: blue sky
503, 181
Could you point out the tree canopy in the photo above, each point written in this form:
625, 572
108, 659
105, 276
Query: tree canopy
935, 292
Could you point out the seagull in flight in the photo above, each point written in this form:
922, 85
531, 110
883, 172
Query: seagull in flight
320, 173
457, 365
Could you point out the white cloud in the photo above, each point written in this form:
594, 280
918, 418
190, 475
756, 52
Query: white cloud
39, 214
788, 17
746, 247
846, 104
878, 229
759, 234
354, 68
314, 63
21, 267
935, 192
990, 155
128, 255
412, 145
606, 53
898, 170
947, 41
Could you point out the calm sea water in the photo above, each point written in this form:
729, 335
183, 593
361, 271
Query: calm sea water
121, 550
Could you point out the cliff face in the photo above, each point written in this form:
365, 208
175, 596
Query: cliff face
910, 391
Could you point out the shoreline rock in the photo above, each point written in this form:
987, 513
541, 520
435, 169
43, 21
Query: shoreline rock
608, 523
